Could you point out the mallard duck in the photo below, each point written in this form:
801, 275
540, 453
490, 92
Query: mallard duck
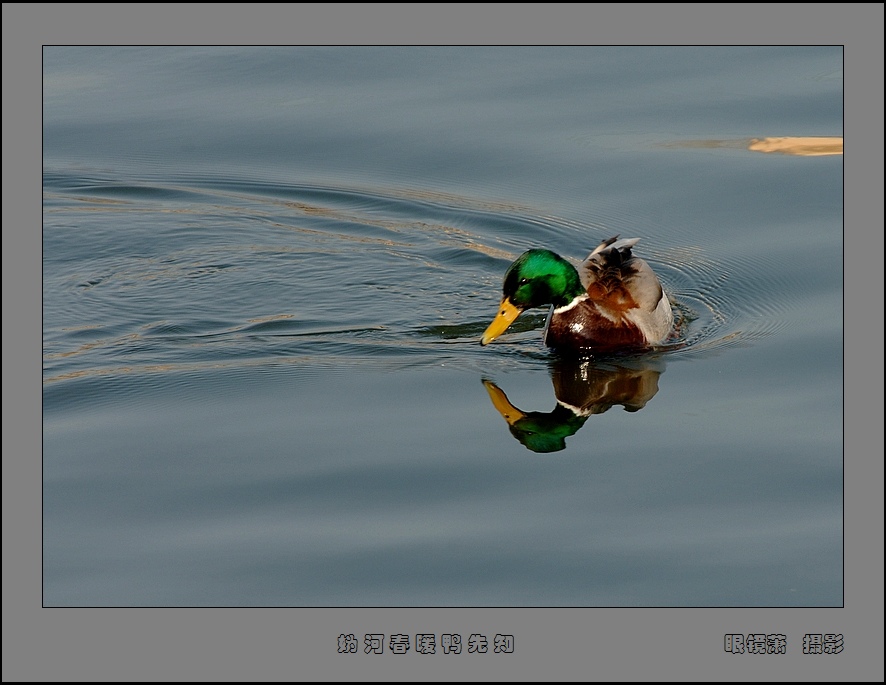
614, 301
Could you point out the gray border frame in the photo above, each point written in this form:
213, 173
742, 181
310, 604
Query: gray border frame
551, 644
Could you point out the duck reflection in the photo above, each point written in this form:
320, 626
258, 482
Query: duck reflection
582, 388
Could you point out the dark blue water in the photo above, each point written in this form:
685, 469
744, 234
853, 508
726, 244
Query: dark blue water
265, 276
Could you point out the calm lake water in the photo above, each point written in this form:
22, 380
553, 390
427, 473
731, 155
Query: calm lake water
265, 276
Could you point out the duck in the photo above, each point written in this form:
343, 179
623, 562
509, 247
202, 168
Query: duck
613, 302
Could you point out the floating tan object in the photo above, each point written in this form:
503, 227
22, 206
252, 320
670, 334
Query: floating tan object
806, 147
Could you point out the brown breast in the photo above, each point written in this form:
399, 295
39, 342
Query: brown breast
583, 327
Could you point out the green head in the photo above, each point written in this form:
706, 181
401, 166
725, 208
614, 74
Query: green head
540, 277
537, 278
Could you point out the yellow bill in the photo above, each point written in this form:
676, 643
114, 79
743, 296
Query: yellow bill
507, 312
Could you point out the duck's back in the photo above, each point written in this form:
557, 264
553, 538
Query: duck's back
626, 304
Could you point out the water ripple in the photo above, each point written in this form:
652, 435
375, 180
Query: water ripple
219, 271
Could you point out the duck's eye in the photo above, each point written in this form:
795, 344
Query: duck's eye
523, 281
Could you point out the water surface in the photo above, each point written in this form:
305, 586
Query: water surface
266, 272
